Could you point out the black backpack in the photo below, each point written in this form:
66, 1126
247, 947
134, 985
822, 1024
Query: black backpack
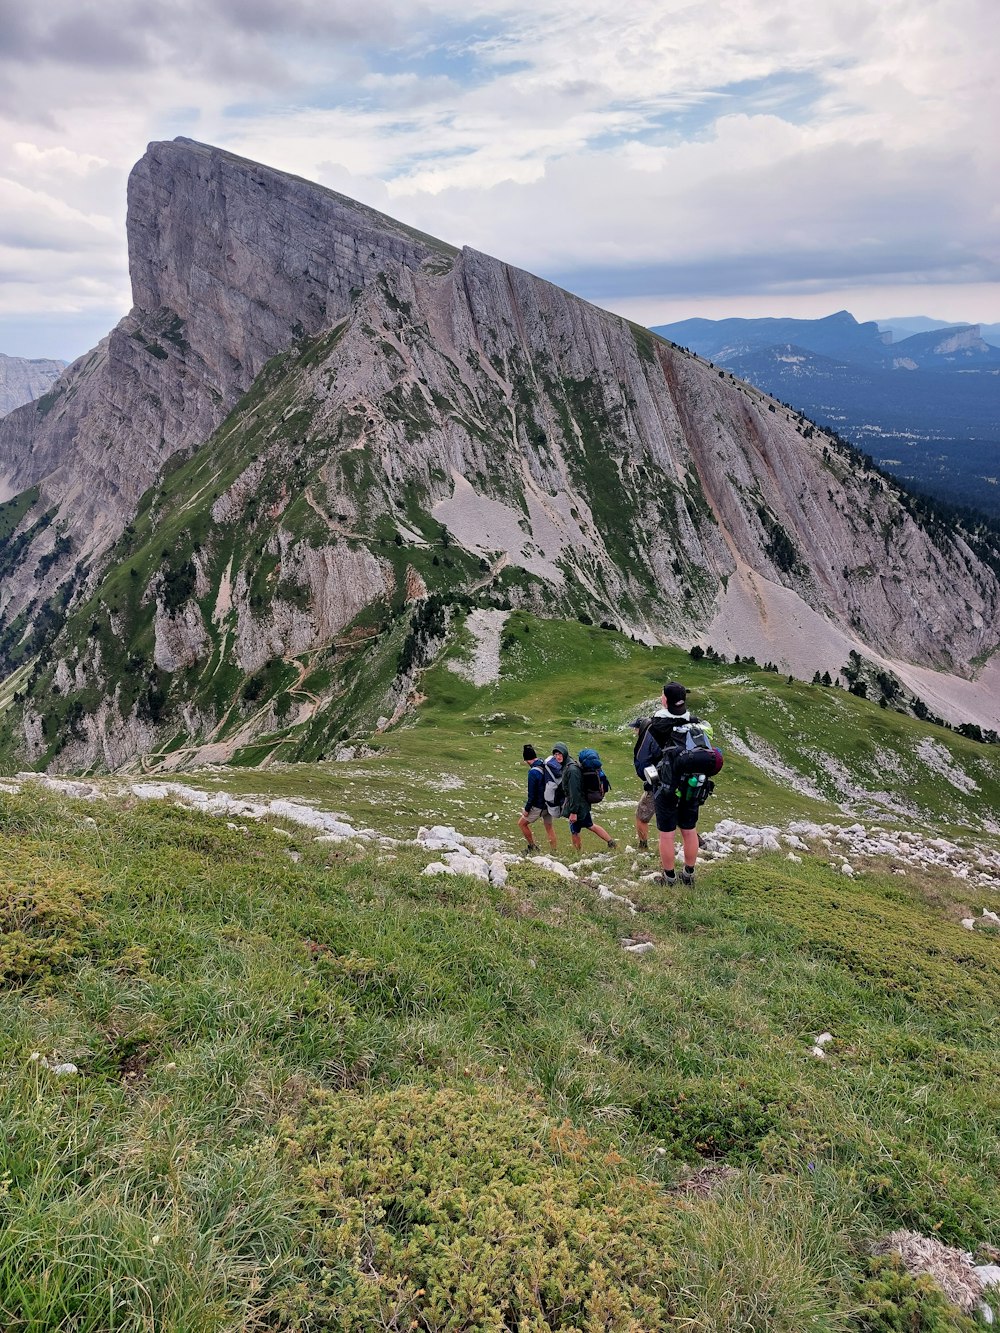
687, 769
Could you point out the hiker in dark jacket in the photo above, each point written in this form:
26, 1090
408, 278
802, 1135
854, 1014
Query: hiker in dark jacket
576, 808
534, 807
668, 727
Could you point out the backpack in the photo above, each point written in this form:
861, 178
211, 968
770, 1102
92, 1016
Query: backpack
686, 769
555, 792
646, 752
594, 784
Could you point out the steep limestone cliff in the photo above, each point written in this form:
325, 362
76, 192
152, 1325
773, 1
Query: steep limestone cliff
230, 263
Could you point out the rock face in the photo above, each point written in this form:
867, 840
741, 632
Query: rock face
22, 380
230, 263
369, 416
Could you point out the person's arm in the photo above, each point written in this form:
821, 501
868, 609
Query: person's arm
536, 789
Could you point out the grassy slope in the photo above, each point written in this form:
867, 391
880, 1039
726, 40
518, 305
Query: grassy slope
333, 1093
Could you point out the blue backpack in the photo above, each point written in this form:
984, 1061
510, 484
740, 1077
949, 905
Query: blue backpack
595, 784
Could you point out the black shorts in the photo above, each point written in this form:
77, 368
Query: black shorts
671, 814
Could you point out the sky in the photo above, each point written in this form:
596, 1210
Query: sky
663, 158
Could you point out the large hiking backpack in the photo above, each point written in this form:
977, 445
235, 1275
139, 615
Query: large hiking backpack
594, 784
686, 769
555, 792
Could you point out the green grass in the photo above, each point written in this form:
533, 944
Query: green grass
333, 1093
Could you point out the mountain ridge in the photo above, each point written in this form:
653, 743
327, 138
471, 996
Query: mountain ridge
439, 424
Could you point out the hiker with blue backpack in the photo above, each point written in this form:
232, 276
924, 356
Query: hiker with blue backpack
543, 775
585, 785
675, 756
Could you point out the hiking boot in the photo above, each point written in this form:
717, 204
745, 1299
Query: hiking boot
531, 849
665, 880
687, 878
611, 844
643, 844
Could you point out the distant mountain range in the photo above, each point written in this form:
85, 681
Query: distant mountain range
22, 380
926, 407
904, 325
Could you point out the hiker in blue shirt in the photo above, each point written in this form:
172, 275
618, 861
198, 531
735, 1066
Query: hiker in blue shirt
535, 808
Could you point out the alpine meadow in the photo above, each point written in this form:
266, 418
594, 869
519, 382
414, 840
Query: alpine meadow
293, 566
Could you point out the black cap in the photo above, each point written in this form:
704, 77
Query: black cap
675, 695
529, 752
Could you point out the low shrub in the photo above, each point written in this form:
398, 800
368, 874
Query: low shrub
43, 914
449, 1210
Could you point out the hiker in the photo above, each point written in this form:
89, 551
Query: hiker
535, 807
580, 780
644, 810
677, 807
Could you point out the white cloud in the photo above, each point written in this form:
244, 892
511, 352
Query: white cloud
763, 150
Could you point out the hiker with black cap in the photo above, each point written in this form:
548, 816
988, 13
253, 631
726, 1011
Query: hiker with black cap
576, 807
535, 807
669, 728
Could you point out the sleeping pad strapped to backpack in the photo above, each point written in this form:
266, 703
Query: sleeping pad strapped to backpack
685, 769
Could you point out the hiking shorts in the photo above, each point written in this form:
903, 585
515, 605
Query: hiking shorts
644, 810
671, 814
581, 821
536, 812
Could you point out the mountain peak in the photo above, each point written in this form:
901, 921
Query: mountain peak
374, 424
249, 257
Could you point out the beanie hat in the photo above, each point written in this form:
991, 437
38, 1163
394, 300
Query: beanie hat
675, 696
529, 753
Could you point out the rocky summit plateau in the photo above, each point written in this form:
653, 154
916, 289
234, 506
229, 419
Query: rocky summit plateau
245, 521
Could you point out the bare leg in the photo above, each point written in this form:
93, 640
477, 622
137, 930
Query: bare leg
689, 837
550, 831
667, 852
525, 828
603, 834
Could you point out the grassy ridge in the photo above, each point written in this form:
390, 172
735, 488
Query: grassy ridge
580, 684
332, 1093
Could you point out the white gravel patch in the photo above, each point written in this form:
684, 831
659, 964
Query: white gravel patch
483, 668
764, 756
937, 758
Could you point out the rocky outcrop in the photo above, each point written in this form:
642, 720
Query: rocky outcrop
331, 585
231, 262
180, 637
22, 380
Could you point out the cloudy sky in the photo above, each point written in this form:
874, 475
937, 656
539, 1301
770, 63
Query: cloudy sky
664, 158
